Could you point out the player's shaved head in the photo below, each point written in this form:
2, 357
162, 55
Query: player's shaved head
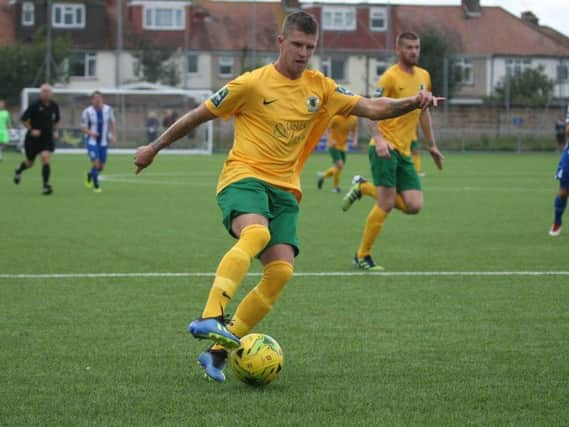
45, 92
300, 21
408, 35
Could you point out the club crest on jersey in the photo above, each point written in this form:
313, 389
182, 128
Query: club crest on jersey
378, 92
313, 103
219, 96
344, 91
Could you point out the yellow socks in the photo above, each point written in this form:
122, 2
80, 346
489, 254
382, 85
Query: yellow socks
400, 203
373, 227
260, 300
233, 268
368, 189
337, 175
417, 162
330, 172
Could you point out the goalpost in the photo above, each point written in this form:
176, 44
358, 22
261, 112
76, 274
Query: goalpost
139, 113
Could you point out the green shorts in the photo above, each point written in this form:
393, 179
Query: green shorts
397, 171
415, 145
337, 154
252, 195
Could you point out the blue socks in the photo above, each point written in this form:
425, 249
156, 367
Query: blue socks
560, 205
95, 176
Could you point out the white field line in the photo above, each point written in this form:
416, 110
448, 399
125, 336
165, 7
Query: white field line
131, 179
298, 274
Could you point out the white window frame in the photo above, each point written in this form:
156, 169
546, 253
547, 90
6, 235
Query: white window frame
377, 13
28, 7
562, 76
149, 17
380, 63
326, 68
461, 65
225, 61
518, 65
197, 57
90, 58
335, 18
64, 8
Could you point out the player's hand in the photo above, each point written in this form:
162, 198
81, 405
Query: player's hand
111, 139
437, 156
382, 148
426, 99
143, 157
35, 132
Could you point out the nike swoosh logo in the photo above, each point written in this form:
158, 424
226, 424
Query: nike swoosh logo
265, 102
225, 295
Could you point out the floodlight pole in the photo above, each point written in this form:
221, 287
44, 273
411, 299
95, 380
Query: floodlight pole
48, 59
119, 44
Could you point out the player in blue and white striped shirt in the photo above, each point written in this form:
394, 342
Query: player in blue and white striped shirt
98, 124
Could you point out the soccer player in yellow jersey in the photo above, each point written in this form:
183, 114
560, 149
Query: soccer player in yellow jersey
339, 130
394, 176
280, 112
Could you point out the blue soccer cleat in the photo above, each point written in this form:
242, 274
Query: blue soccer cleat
213, 362
213, 329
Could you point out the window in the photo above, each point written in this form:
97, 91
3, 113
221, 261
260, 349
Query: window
83, 64
563, 72
334, 68
339, 18
68, 15
28, 16
518, 65
380, 68
378, 19
192, 63
463, 71
225, 66
164, 18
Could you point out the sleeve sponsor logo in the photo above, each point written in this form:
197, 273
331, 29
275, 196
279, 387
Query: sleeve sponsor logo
218, 97
378, 92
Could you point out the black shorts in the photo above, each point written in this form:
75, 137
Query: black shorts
34, 146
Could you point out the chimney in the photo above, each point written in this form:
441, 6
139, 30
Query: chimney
471, 8
530, 17
290, 5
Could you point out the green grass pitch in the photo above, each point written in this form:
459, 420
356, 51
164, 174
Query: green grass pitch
420, 347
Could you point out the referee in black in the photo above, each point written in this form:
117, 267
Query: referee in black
41, 119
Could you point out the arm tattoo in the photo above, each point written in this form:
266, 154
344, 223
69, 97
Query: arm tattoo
398, 107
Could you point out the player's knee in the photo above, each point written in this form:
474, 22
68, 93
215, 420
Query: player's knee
413, 207
258, 235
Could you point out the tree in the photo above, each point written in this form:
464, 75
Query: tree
156, 64
435, 47
23, 65
530, 87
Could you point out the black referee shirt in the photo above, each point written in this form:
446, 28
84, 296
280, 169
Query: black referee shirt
42, 117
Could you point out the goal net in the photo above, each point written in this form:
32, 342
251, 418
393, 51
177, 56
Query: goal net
140, 113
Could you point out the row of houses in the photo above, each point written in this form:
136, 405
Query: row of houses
214, 41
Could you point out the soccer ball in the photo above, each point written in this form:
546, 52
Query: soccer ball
258, 360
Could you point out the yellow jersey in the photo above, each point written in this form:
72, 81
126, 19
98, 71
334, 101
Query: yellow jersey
339, 130
395, 83
278, 122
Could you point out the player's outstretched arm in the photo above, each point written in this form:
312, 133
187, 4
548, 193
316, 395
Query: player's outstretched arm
181, 127
386, 108
427, 127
